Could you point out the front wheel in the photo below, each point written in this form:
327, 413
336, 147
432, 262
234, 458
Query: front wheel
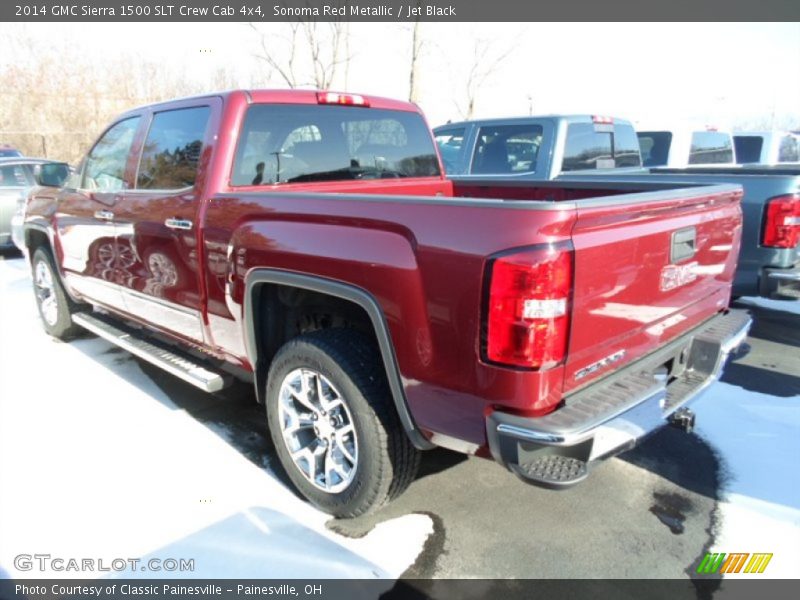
55, 307
334, 425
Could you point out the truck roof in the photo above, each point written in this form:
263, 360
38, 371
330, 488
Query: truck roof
278, 96
766, 133
682, 128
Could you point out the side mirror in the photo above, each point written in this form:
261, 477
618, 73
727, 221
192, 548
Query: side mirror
51, 174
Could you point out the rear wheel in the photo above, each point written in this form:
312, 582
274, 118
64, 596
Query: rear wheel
55, 307
334, 424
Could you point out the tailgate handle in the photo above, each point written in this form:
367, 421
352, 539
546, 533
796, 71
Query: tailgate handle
684, 244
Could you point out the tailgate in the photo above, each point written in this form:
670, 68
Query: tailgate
648, 267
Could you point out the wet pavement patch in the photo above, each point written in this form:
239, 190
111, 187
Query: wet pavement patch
671, 509
426, 564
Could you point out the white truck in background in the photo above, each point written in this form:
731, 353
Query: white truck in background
767, 147
685, 146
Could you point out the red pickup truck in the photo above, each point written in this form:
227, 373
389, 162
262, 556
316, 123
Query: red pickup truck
309, 242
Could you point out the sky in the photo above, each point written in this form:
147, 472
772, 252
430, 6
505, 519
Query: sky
718, 74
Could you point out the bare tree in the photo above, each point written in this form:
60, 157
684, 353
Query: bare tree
485, 62
305, 52
284, 63
417, 44
54, 100
348, 55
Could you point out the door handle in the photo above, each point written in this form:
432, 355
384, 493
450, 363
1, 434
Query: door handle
103, 215
178, 223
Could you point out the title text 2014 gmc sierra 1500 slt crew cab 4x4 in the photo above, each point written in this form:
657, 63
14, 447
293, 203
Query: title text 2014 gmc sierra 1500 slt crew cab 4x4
309, 242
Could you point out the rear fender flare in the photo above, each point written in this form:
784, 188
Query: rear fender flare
344, 291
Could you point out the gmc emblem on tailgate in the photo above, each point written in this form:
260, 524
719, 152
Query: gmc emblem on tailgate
673, 276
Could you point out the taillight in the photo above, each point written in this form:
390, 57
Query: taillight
782, 222
528, 310
342, 99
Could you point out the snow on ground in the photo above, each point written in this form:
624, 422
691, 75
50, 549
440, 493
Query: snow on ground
757, 437
97, 462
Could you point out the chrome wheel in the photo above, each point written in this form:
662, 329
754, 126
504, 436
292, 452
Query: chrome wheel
45, 293
318, 430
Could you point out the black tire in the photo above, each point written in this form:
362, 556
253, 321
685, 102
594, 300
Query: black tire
387, 461
57, 322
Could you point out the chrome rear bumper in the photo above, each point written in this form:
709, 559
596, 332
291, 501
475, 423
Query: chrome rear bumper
613, 414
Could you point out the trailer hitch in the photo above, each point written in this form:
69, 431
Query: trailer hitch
683, 419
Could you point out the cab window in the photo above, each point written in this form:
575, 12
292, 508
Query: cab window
748, 148
172, 149
105, 165
507, 149
450, 143
302, 144
710, 147
789, 150
655, 147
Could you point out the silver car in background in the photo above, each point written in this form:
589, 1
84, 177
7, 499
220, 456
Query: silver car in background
17, 178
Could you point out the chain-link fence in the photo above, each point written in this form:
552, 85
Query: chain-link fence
69, 146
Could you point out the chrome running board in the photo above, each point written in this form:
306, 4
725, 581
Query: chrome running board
178, 366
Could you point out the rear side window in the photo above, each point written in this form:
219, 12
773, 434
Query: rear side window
172, 149
15, 176
600, 146
748, 148
507, 149
284, 143
105, 165
710, 147
788, 151
450, 143
655, 147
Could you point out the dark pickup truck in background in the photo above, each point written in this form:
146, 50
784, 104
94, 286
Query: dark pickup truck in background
309, 242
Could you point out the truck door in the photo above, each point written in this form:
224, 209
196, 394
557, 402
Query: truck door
94, 265
157, 219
